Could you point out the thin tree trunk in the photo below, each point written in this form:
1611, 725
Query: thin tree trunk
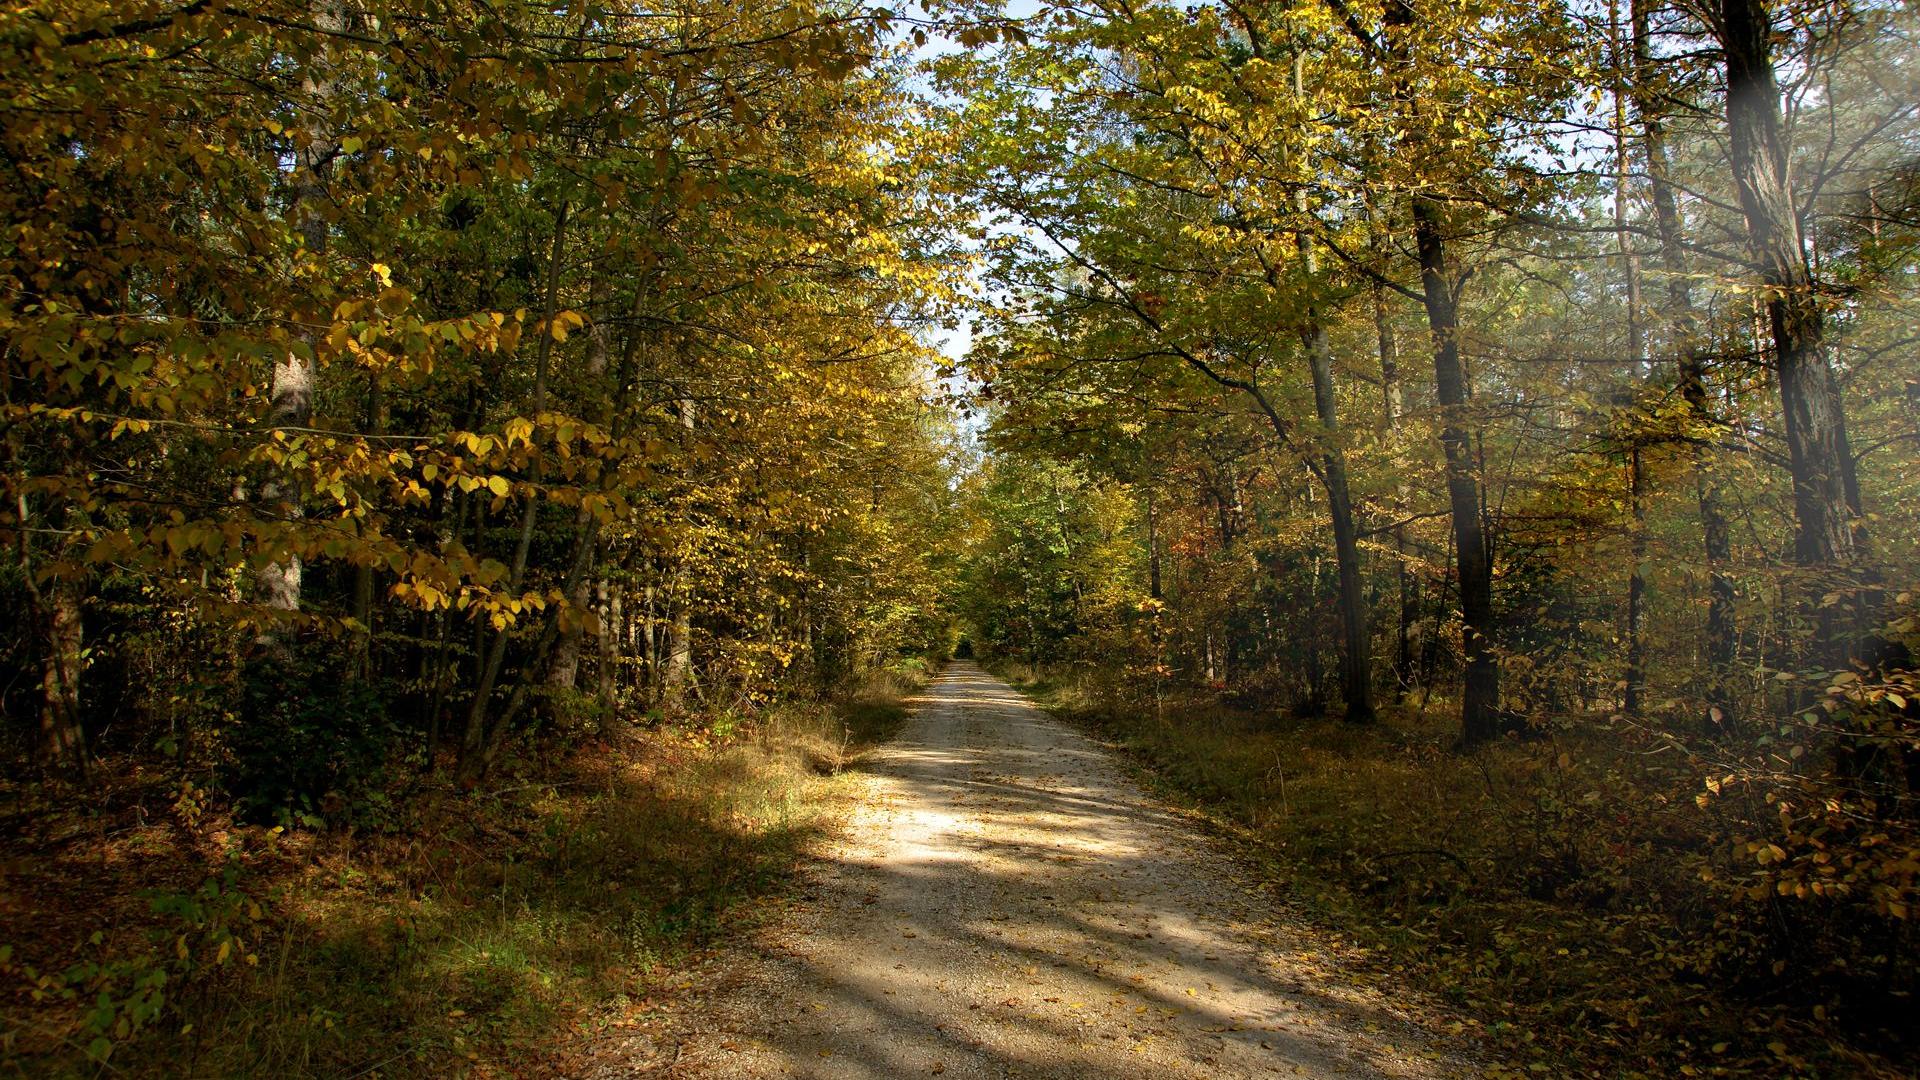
650, 625
576, 573
1356, 647
1153, 550
1356, 631
443, 665
1066, 541
364, 582
62, 735
1636, 673
610, 643
563, 673
437, 669
679, 661
475, 741
1636, 667
1157, 629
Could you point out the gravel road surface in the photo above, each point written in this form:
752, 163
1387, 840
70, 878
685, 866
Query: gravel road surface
1007, 903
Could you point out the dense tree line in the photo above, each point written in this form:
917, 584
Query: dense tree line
1547, 364
383, 381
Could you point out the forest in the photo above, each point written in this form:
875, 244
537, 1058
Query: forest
481, 477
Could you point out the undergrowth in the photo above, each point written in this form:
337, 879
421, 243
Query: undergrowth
493, 932
1554, 892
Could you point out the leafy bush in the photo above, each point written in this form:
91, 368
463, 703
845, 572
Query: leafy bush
313, 743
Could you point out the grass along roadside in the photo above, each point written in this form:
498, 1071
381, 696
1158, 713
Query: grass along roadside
489, 933
1574, 934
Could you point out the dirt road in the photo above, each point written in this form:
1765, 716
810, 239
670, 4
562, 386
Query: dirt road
1008, 904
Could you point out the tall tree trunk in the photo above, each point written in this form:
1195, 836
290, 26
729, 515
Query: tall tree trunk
1480, 716
1392, 408
1825, 492
1356, 629
1356, 646
291, 397
1692, 352
1636, 667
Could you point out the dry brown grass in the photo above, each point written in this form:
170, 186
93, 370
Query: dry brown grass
1552, 887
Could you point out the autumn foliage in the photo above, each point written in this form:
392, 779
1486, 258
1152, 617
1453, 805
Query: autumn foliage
1534, 378
404, 403
396, 391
